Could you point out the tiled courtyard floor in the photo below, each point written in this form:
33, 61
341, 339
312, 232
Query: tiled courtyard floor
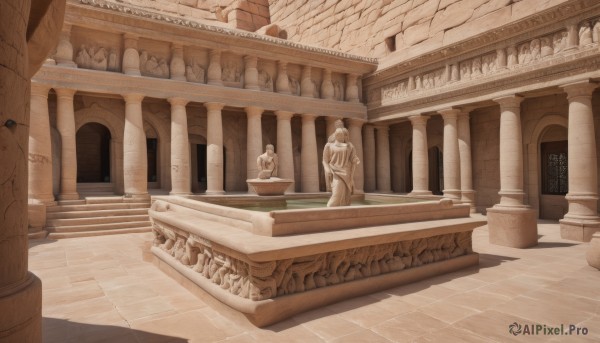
99, 289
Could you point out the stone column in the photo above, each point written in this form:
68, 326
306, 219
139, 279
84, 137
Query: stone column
213, 74
355, 130
64, 49
510, 222
65, 123
501, 59
282, 84
24, 44
180, 148
581, 221
466, 169
254, 143
306, 85
420, 156
214, 149
40, 147
327, 91
384, 184
369, 154
251, 73
131, 56
309, 158
451, 154
572, 37
351, 88
284, 147
135, 158
177, 66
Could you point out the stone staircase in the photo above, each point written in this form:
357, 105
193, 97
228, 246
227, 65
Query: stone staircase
95, 216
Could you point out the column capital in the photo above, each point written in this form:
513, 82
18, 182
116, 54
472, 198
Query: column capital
284, 115
39, 89
133, 97
579, 88
176, 46
214, 52
356, 122
382, 127
308, 117
253, 111
282, 64
450, 113
509, 101
65, 92
177, 101
465, 111
251, 59
333, 118
418, 120
214, 106
131, 36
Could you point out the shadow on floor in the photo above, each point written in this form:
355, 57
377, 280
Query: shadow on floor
65, 331
486, 261
547, 245
40, 241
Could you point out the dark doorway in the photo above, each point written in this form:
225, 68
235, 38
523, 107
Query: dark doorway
436, 171
555, 168
201, 165
152, 151
93, 153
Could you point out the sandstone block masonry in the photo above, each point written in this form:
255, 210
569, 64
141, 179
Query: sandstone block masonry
380, 27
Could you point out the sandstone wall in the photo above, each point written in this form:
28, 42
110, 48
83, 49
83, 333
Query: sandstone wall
375, 28
248, 15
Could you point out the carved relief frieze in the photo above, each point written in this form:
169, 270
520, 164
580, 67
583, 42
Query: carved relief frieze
294, 85
153, 66
490, 63
194, 72
265, 81
97, 58
231, 71
266, 280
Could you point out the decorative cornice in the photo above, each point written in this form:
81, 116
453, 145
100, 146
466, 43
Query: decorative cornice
222, 30
552, 15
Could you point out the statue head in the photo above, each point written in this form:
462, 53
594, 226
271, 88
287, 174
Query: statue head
270, 149
340, 135
339, 124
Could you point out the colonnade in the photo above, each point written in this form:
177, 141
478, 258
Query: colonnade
372, 145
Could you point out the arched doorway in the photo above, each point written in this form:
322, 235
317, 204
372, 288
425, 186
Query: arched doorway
93, 153
554, 171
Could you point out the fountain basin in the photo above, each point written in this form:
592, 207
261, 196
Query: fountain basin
272, 186
226, 252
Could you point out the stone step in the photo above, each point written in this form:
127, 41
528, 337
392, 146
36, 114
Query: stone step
98, 227
68, 202
95, 207
61, 235
95, 186
104, 200
97, 213
95, 220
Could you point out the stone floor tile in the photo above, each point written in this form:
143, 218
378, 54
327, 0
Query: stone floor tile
362, 336
408, 327
447, 312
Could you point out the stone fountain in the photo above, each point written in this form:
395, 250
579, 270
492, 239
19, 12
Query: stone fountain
267, 182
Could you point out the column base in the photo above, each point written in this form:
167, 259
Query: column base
468, 197
387, 191
452, 194
514, 227
68, 64
69, 196
136, 197
22, 320
580, 230
214, 192
593, 253
420, 193
180, 193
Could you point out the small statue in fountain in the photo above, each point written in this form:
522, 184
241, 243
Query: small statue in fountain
339, 161
267, 163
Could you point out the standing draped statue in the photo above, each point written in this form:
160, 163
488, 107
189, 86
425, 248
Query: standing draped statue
339, 161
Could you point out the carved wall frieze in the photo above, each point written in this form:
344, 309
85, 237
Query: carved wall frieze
97, 58
536, 51
217, 29
153, 66
267, 280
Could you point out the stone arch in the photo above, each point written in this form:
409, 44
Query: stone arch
533, 167
115, 124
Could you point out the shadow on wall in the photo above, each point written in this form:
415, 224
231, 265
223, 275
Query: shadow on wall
63, 330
